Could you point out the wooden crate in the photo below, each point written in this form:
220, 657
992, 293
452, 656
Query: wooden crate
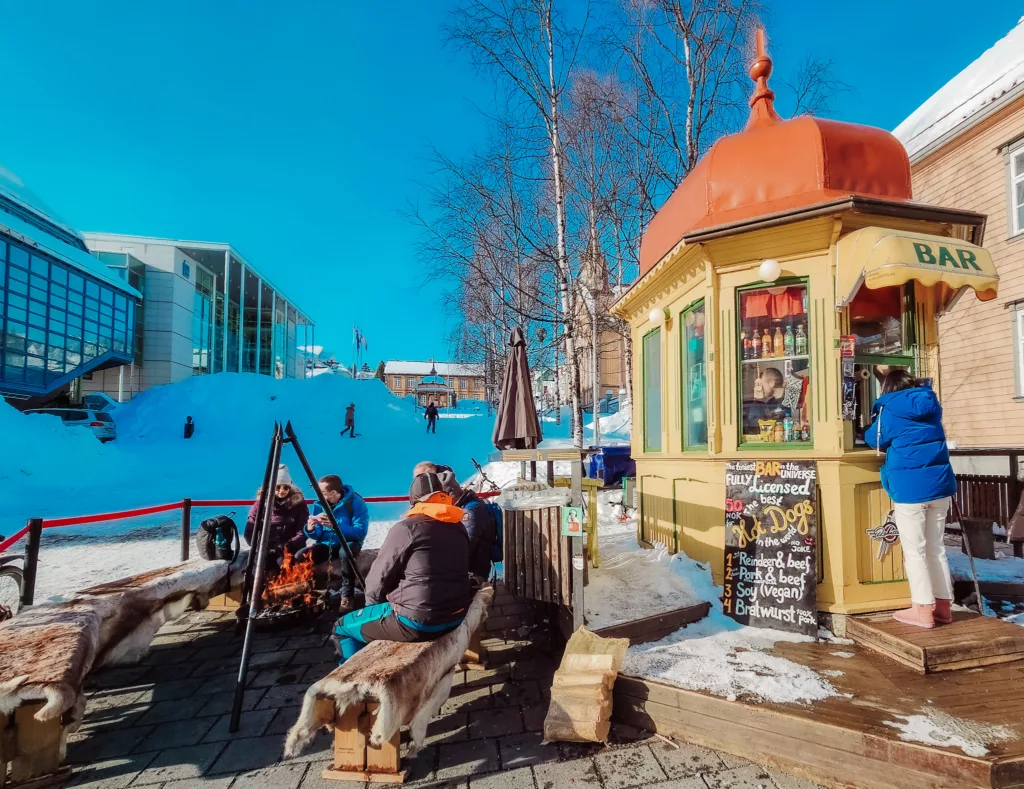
355, 759
970, 641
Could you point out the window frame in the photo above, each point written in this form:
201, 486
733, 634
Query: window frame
685, 378
643, 378
1015, 178
790, 446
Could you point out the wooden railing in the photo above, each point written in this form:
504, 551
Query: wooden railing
990, 496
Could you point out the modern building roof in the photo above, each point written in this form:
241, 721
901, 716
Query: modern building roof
776, 166
38, 227
195, 250
399, 367
990, 82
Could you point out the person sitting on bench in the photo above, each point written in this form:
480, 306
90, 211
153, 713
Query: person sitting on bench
418, 588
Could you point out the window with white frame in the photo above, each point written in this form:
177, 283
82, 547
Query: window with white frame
1017, 189
1018, 347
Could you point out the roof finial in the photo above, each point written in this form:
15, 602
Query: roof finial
762, 107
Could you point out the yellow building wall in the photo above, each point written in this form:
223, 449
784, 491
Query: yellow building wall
977, 351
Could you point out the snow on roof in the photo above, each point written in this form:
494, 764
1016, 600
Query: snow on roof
991, 79
73, 256
424, 368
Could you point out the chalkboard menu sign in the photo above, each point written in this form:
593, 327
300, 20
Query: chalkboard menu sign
771, 536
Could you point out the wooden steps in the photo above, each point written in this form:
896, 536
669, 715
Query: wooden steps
853, 740
970, 641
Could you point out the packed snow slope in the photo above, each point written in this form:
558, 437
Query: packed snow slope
51, 470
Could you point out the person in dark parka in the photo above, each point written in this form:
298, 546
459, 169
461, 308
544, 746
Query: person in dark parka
286, 523
430, 414
919, 479
418, 588
481, 527
350, 420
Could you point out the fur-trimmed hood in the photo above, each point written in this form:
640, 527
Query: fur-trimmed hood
293, 499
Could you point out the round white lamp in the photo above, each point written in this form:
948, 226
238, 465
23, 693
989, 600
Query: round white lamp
657, 315
769, 270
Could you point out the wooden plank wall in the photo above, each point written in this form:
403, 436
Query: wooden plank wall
538, 559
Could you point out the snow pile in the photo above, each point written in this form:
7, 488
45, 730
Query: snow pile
1005, 569
631, 582
58, 471
938, 728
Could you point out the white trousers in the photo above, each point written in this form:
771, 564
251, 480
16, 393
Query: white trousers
921, 527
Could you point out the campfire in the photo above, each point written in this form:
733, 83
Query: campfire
291, 594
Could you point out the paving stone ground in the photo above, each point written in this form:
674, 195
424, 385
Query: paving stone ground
164, 725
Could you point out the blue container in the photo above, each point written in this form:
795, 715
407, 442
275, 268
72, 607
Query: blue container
611, 464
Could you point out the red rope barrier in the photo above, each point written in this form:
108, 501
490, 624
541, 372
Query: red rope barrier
80, 520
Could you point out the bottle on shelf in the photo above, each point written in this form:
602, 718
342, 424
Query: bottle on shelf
800, 342
779, 344
780, 433
789, 341
787, 429
766, 344
805, 431
745, 343
755, 346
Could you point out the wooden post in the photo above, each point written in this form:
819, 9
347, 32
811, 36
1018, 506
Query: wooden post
533, 471
551, 473
35, 535
354, 758
39, 745
186, 527
578, 560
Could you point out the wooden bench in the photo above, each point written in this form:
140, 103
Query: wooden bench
47, 651
384, 686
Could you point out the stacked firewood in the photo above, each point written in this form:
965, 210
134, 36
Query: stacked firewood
581, 694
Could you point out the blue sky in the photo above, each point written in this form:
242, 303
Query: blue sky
298, 132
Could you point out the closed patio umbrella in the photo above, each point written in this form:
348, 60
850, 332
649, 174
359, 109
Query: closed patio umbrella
517, 426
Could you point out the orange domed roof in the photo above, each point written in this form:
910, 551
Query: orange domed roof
775, 166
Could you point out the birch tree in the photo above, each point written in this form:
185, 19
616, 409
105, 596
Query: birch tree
528, 47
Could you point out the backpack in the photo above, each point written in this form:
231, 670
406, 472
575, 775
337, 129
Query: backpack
217, 538
498, 546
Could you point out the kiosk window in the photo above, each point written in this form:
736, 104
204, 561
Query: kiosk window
775, 365
652, 390
695, 387
882, 322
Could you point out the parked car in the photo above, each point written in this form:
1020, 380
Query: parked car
100, 422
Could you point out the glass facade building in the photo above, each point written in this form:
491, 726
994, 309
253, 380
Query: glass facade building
62, 315
207, 310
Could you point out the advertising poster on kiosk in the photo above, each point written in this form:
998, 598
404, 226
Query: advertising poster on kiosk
771, 544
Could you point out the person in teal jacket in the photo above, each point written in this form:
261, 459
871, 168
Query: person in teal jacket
353, 519
919, 479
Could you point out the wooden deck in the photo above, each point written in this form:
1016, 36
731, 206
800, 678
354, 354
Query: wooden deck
970, 641
846, 742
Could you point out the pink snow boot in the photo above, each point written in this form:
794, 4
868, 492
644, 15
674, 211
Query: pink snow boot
917, 615
942, 613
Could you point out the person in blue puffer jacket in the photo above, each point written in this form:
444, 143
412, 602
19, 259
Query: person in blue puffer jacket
919, 479
353, 519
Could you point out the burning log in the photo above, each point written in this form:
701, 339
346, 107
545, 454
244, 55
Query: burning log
284, 592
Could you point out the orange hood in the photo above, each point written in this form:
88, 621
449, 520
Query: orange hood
439, 507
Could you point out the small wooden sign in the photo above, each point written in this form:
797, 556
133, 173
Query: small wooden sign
771, 537
572, 521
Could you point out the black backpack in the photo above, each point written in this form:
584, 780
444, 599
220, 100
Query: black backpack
217, 538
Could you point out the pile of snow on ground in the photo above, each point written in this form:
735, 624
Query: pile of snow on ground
1005, 569
631, 582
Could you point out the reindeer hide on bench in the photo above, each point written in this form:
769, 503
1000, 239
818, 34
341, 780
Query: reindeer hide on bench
409, 681
47, 651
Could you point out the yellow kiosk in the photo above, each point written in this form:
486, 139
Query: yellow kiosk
788, 270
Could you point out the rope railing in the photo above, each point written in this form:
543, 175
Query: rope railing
35, 526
